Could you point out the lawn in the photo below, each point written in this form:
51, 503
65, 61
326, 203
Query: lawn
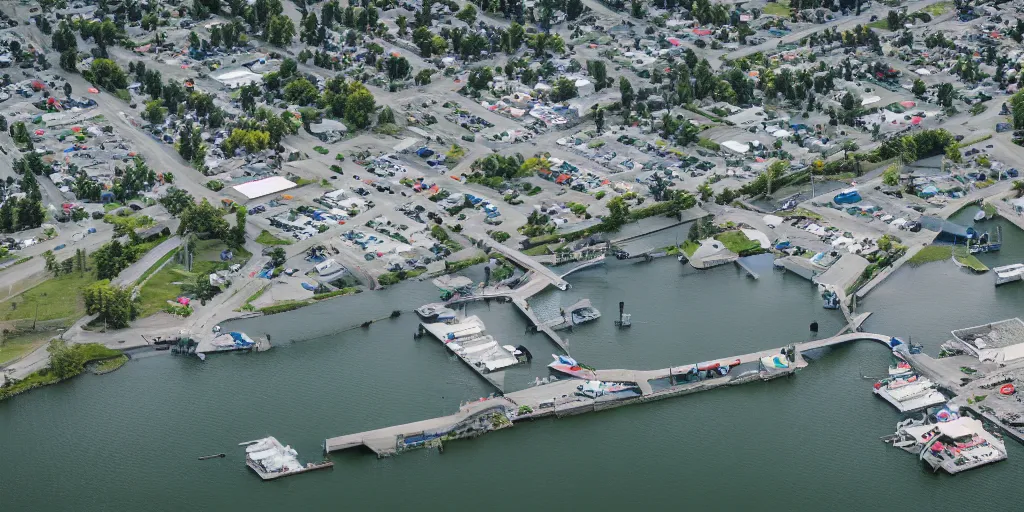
156, 265
931, 253
881, 24
737, 242
938, 9
266, 238
964, 256
163, 285
777, 8
690, 247
57, 297
799, 212
16, 346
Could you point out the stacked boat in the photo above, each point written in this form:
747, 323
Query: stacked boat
909, 392
270, 459
269, 456
948, 441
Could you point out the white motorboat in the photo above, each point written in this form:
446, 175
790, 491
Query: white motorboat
1009, 273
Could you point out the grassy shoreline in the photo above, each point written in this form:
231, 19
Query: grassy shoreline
90, 353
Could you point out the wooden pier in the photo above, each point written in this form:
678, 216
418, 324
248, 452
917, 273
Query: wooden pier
543, 327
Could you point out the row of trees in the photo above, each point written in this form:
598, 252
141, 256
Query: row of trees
27, 212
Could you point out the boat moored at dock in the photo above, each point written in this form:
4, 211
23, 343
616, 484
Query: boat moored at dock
953, 443
270, 459
909, 393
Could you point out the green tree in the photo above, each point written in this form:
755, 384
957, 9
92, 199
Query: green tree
892, 20
108, 75
280, 30
203, 218
386, 116
64, 39
398, 67
563, 89
918, 88
618, 212
51, 262
1017, 110
112, 304
516, 35
359, 105
599, 120
301, 92
237, 237
154, 112
573, 9
891, 175
599, 72
626, 93
467, 14
176, 201
278, 256
65, 360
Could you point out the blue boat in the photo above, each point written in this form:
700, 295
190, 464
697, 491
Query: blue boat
848, 196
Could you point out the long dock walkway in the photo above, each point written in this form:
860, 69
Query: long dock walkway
562, 397
524, 261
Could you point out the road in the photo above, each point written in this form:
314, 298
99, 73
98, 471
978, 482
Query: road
840, 24
135, 270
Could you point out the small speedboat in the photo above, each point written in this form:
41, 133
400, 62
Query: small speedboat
980, 216
901, 368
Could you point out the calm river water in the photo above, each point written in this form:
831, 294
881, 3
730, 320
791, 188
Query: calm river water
129, 440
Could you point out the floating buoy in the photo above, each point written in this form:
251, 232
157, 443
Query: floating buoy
1007, 389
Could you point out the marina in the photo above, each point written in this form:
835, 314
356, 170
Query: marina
597, 390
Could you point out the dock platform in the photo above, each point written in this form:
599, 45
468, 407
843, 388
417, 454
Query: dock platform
312, 466
481, 352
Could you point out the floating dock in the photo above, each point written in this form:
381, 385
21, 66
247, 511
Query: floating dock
468, 340
228, 342
913, 396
